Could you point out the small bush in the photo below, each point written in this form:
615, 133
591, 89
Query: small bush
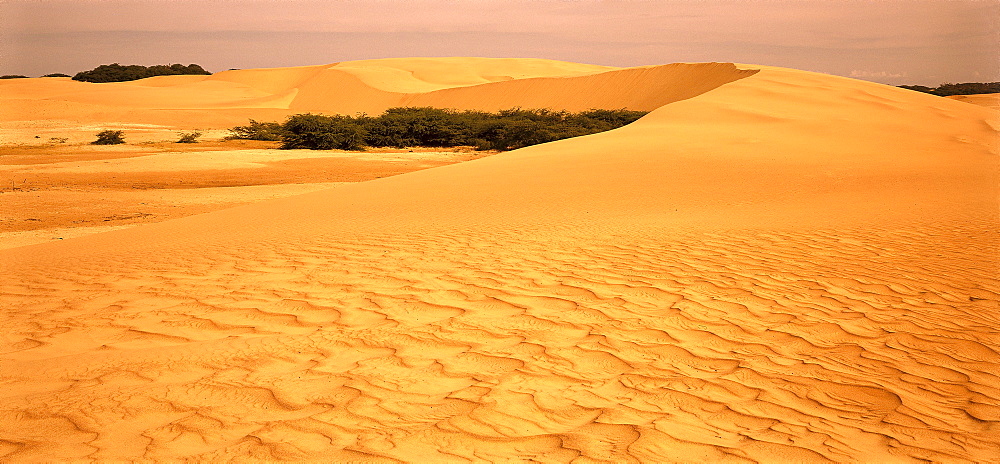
109, 137
56, 75
13, 76
189, 137
58, 139
256, 130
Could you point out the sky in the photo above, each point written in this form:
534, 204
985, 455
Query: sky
925, 42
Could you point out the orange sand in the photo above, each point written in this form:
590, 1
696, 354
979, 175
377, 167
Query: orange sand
772, 266
229, 98
989, 100
57, 191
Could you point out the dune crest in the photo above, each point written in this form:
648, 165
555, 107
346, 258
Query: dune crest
228, 98
419, 75
781, 266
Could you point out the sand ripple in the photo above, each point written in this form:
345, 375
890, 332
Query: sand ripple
849, 346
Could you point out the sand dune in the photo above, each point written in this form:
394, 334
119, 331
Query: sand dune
229, 98
989, 100
772, 266
419, 75
644, 89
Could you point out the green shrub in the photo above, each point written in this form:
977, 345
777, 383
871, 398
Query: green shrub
257, 130
117, 73
425, 127
318, 132
56, 75
188, 137
613, 118
13, 76
435, 127
109, 137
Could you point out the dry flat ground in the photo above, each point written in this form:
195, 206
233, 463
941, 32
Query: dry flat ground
772, 266
58, 190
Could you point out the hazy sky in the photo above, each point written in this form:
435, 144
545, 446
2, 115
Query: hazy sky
891, 41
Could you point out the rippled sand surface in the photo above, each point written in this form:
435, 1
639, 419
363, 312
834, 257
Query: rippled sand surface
789, 267
707, 347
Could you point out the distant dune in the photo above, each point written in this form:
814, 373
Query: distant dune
989, 100
772, 266
229, 98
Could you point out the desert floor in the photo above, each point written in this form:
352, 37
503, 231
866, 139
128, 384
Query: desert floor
772, 266
62, 190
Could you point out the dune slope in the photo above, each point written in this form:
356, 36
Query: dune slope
790, 267
228, 98
989, 100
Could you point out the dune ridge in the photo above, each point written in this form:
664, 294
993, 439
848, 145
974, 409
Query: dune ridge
787, 267
228, 98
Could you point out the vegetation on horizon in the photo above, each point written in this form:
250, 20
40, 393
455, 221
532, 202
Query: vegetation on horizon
117, 73
435, 127
13, 76
967, 88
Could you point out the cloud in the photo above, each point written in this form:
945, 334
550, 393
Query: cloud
862, 74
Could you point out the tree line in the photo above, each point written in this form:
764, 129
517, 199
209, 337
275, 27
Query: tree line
117, 73
21, 76
435, 127
967, 88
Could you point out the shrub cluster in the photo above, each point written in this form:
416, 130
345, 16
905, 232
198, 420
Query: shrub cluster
109, 137
967, 88
435, 127
13, 76
118, 73
188, 137
257, 130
